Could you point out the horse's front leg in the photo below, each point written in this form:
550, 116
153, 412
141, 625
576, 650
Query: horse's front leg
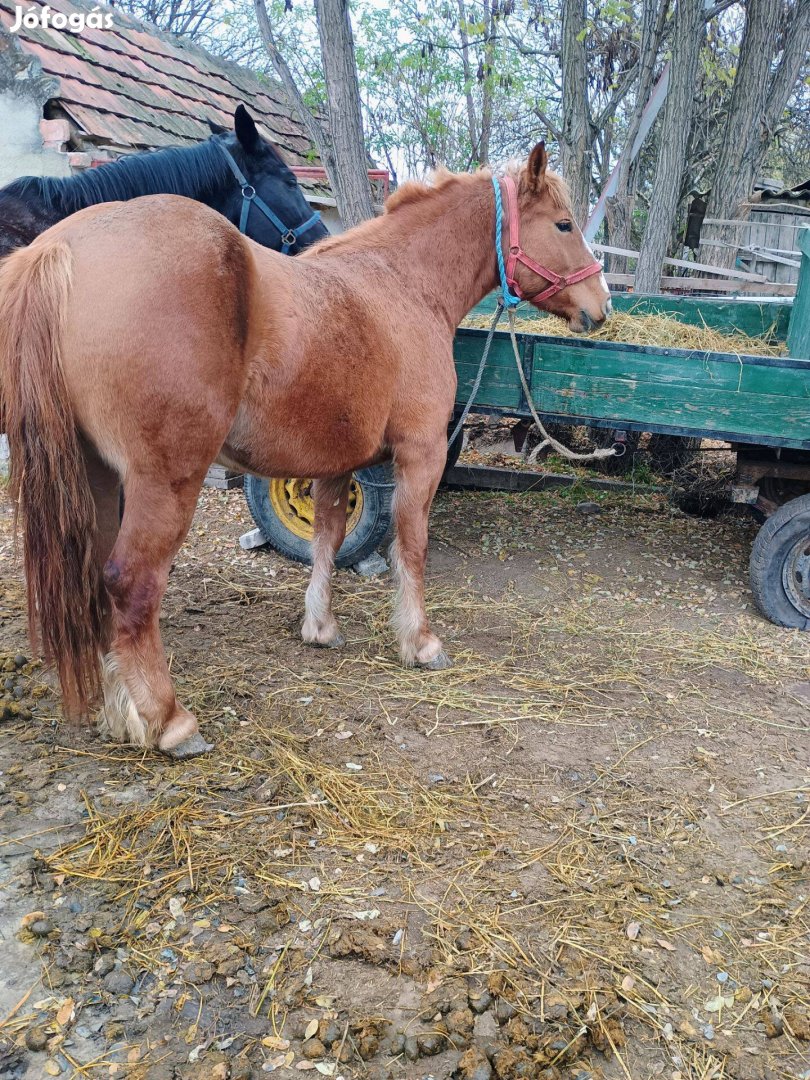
418, 472
331, 498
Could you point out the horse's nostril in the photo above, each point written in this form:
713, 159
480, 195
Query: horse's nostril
608, 308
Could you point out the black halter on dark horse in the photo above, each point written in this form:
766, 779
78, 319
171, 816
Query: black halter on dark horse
32, 204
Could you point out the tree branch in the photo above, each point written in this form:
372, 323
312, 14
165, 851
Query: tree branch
719, 8
314, 129
548, 123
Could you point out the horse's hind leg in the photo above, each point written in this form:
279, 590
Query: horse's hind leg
331, 498
418, 471
105, 487
140, 704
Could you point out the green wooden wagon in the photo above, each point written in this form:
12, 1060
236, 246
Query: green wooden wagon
760, 405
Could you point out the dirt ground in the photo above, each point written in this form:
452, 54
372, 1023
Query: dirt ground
581, 852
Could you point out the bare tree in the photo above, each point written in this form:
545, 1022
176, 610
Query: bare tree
193, 19
758, 101
340, 141
575, 136
673, 143
350, 164
620, 204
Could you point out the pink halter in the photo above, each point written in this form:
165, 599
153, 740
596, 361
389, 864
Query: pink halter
516, 255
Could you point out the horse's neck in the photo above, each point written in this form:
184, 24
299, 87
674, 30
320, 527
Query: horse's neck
442, 251
142, 174
455, 254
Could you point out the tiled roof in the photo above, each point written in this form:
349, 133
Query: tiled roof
133, 87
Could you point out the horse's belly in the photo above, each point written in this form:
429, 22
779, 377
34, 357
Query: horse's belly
323, 440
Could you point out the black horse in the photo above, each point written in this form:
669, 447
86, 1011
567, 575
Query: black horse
238, 173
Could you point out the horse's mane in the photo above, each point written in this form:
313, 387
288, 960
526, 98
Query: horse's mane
417, 193
187, 171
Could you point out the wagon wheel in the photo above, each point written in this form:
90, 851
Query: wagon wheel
283, 509
780, 565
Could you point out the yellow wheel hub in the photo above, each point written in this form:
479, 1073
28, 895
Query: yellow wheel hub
293, 505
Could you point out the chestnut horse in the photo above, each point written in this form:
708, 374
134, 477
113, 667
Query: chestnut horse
141, 341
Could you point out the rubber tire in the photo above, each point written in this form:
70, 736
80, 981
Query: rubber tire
773, 543
364, 539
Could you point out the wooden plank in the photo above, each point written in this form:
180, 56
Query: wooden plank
492, 478
500, 385
707, 408
761, 253
743, 224
740, 275
767, 288
799, 330
679, 372
756, 400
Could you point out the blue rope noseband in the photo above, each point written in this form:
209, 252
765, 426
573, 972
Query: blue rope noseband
508, 299
289, 237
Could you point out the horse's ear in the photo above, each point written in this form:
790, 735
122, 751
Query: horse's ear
246, 130
537, 165
217, 129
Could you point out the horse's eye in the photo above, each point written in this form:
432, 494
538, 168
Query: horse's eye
564, 226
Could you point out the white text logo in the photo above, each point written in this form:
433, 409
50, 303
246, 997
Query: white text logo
41, 18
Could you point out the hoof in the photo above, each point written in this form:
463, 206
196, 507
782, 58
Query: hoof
439, 662
337, 642
194, 746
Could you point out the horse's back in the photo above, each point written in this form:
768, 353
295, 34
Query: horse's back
158, 324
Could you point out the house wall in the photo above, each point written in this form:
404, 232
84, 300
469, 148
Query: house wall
23, 93
330, 218
21, 149
776, 228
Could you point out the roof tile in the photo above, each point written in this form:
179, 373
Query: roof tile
134, 87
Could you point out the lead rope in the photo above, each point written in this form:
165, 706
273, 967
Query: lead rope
478, 376
548, 440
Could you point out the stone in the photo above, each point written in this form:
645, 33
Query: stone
480, 1000
504, 1010
397, 1045
371, 566
249, 541
485, 1028
199, 971
118, 982
41, 928
411, 1048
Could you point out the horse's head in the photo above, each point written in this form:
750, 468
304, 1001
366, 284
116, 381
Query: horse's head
550, 240
273, 182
